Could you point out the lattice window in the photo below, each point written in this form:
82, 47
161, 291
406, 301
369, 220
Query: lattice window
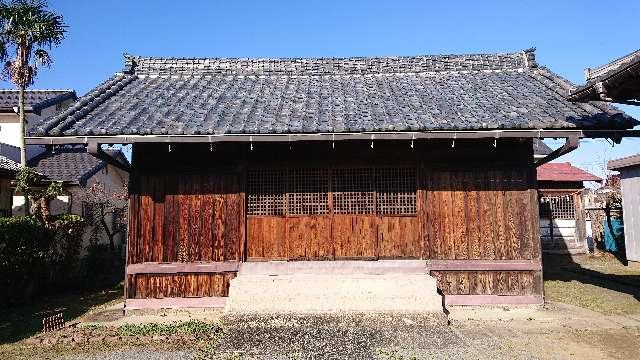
266, 191
557, 207
396, 191
356, 191
308, 192
353, 191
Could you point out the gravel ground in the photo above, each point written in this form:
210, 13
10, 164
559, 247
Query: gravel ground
332, 337
536, 334
137, 354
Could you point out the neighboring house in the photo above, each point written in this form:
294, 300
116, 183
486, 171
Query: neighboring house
617, 81
425, 162
39, 104
77, 170
8, 169
629, 168
563, 222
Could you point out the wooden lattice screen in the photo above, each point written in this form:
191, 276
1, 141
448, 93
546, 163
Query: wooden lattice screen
306, 191
396, 191
266, 192
557, 207
353, 191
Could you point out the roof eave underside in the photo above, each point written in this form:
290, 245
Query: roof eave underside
620, 84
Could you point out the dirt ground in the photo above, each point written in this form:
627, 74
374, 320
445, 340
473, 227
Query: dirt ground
592, 312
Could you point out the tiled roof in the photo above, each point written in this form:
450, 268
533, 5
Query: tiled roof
619, 80
617, 164
266, 96
35, 100
8, 166
69, 164
563, 172
540, 148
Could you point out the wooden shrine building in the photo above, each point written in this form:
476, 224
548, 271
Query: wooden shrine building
424, 158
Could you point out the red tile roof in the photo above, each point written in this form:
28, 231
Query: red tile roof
564, 172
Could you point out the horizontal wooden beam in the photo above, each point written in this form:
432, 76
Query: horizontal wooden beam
453, 300
404, 135
174, 303
338, 267
484, 265
178, 267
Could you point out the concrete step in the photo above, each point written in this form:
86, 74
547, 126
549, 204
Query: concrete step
356, 288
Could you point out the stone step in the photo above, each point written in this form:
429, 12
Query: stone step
394, 290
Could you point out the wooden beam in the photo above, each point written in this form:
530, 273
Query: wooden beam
178, 267
484, 265
570, 144
95, 149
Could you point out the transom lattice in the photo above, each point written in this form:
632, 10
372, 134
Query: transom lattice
396, 191
266, 192
307, 191
353, 191
557, 207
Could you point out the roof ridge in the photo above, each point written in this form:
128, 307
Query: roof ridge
36, 90
148, 65
591, 74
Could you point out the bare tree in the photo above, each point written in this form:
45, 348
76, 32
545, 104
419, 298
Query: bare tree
105, 211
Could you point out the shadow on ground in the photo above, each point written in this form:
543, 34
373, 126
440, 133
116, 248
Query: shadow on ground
20, 322
607, 272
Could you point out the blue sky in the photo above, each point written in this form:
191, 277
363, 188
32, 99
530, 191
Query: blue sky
569, 36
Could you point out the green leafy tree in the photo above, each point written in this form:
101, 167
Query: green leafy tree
27, 27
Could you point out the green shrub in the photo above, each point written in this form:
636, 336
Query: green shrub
24, 251
101, 266
64, 255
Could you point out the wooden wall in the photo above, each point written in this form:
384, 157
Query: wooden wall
474, 203
332, 237
185, 218
158, 286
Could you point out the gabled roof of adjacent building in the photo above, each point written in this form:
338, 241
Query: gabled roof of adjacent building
188, 96
617, 164
8, 166
617, 81
35, 100
563, 172
540, 148
71, 164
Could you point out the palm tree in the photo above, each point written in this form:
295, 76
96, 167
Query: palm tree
26, 28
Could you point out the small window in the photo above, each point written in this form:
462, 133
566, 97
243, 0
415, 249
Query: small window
557, 207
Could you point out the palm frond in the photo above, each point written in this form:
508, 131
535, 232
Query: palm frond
42, 58
26, 25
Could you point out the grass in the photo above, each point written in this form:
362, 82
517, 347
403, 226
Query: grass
21, 322
598, 283
191, 327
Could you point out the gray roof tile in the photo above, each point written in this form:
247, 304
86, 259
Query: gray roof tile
71, 164
35, 100
8, 166
260, 96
